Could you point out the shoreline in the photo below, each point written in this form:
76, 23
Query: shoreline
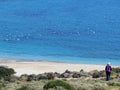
38, 67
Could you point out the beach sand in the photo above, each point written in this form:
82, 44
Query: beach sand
35, 67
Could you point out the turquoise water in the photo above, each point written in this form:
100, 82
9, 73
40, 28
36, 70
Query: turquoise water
74, 31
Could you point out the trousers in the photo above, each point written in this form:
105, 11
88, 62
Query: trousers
108, 75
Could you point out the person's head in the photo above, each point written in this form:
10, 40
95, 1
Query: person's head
108, 63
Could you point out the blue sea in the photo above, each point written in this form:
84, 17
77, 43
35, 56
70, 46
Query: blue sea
73, 31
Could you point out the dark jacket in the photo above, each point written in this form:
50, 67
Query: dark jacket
108, 68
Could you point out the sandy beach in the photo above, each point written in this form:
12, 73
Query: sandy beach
35, 67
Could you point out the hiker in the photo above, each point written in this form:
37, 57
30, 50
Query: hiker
108, 70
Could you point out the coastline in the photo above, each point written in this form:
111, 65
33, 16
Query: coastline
37, 67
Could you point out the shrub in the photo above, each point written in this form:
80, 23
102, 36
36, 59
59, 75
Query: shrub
56, 83
58, 88
6, 72
23, 88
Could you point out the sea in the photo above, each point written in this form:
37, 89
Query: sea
72, 31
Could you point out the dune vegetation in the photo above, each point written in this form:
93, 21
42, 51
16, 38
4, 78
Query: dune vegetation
69, 80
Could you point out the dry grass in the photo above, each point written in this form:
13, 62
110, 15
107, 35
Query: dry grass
79, 84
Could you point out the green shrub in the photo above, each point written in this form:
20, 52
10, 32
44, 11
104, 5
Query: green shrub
54, 84
23, 88
6, 72
58, 88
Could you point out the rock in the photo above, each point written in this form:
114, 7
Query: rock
67, 71
76, 75
11, 78
57, 74
50, 75
23, 78
65, 75
81, 71
83, 74
32, 77
95, 74
41, 76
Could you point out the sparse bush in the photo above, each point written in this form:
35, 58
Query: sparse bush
116, 70
99, 87
114, 83
84, 87
25, 88
2, 85
102, 73
56, 83
92, 85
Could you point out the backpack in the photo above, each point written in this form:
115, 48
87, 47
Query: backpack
108, 68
